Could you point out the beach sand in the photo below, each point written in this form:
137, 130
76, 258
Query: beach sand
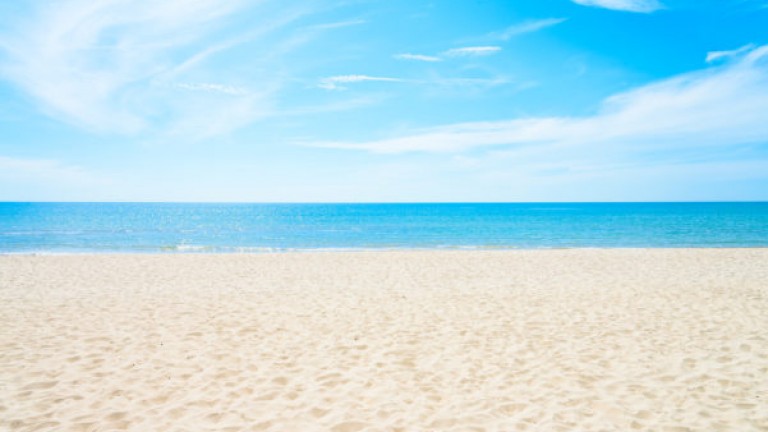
548, 340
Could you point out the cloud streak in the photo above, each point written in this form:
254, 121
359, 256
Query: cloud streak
335, 82
472, 51
213, 87
715, 107
527, 27
339, 24
714, 56
638, 6
117, 66
66, 62
418, 57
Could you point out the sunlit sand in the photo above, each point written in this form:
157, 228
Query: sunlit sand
556, 340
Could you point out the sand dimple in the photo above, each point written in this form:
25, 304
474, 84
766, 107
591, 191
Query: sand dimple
631, 340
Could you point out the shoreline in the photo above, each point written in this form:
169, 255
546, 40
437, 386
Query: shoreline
288, 251
518, 340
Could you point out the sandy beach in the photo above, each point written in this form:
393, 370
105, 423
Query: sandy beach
548, 340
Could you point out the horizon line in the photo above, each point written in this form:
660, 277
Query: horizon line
390, 202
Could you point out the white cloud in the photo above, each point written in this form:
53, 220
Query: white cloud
527, 27
112, 66
213, 87
505, 35
337, 82
714, 56
640, 6
418, 57
716, 107
339, 24
332, 83
472, 51
76, 58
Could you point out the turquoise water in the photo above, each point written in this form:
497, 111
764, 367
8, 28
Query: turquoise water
142, 227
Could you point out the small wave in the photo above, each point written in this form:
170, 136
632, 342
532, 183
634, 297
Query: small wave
186, 248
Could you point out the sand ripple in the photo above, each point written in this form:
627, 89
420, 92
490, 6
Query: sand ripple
621, 340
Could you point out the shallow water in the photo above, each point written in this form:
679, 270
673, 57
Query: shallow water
159, 227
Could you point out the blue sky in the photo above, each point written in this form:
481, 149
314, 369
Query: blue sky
388, 100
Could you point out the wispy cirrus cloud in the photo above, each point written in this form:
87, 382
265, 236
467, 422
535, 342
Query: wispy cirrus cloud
639, 6
117, 66
337, 82
418, 57
526, 27
78, 59
714, 56
715, 107
472, 51
508, 33
213, 87
338, 24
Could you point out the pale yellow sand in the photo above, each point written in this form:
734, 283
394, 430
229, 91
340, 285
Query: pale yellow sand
571, 340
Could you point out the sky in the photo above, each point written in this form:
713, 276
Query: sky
384, 100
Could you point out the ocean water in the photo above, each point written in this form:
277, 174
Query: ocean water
145, 227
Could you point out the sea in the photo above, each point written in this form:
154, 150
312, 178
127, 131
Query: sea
30, 228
